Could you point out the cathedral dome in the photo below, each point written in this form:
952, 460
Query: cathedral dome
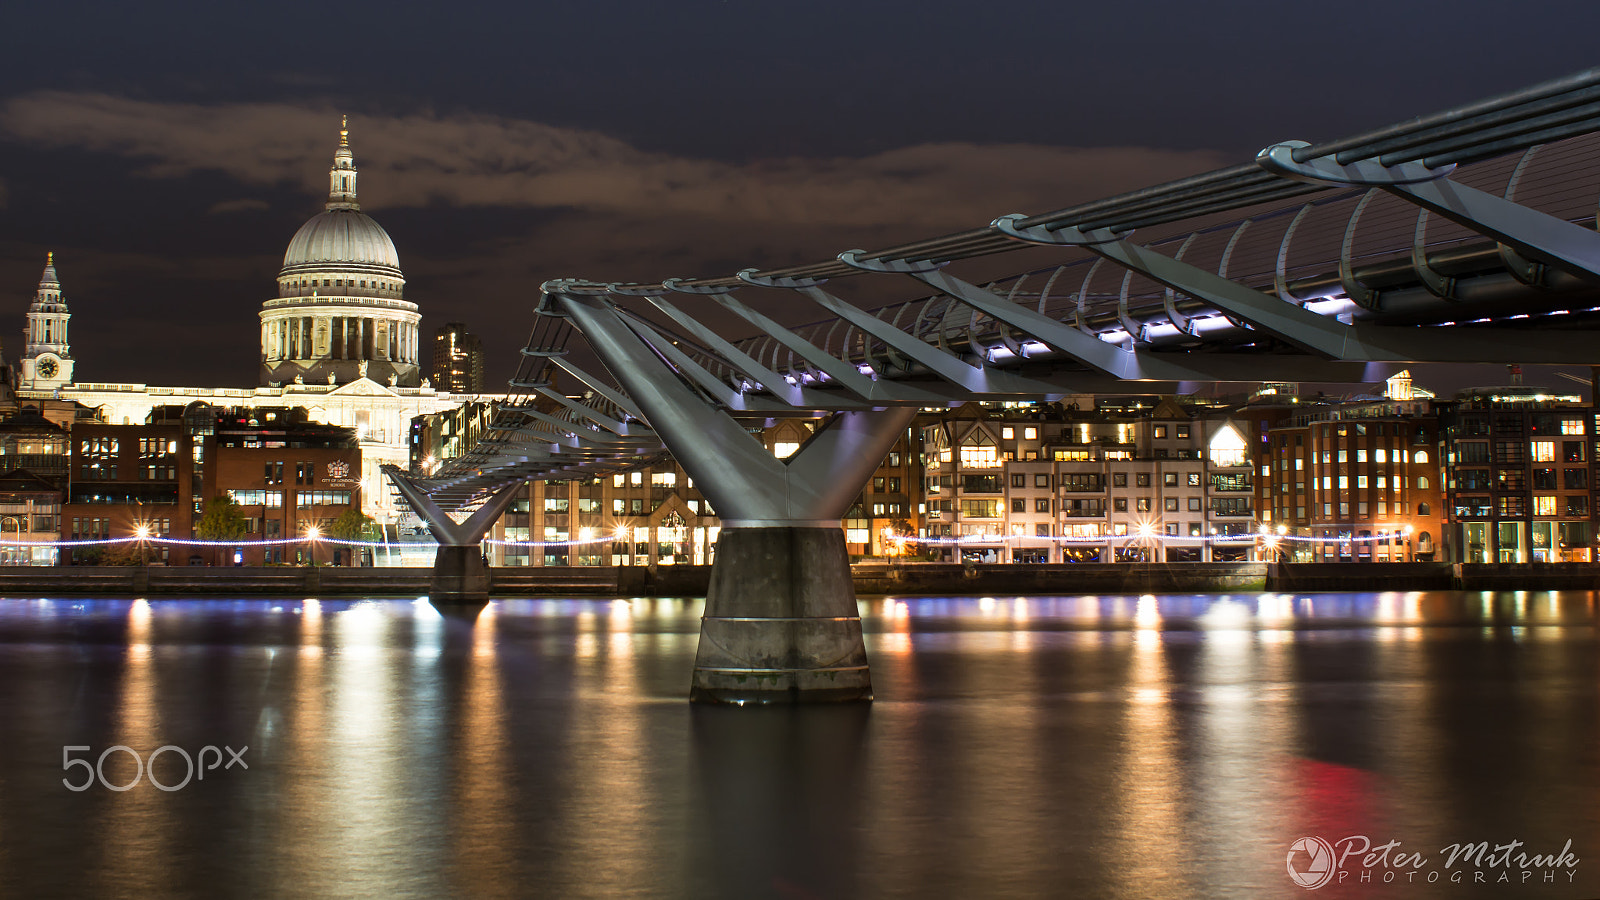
341, 237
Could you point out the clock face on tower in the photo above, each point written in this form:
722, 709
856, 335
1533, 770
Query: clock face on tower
47, 367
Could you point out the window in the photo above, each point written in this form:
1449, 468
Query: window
1513, 451
1161, 432
1041, 530
1578, 506
1472, 452
1142, 479
981, 484
1423, 510
894, 485
1544, 479
1041, 481
979, 452
980, 509
1194, 504
1194, 479
1030, 434
894, 459
1230, 506
1041, 505
1019, 506
1019, 480
1007, 433
556, 504
1119, 479
1080, 482
1171, 504
1422, 482
663, 479
1170, 479
636, 478
271, 499
1511, 506
1544, 504
1542, 451
1572, 426
1183, 432
1575, 479
304, 499
1172, 528
1144, 504
1120, 504
1572, 451
636, 506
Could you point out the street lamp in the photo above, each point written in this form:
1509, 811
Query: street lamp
313, 534
142, 532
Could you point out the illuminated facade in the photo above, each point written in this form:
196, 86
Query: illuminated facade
340, 314
1521, 475
1125, 482
47, 356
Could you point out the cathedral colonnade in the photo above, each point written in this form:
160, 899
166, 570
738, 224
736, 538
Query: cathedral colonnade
305, 337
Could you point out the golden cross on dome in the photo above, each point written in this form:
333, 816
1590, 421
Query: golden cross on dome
344, 131
49, 257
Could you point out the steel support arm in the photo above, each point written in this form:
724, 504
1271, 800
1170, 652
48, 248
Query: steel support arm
445, 529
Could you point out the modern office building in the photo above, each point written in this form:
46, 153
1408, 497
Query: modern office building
457, 360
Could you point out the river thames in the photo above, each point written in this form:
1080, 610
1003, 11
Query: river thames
1112, 746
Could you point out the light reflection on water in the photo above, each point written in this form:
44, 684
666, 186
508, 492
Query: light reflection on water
1130, 746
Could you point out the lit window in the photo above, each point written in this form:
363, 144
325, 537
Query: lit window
1543, 451
785, 449
1030, 434
1544, 505
1007, 433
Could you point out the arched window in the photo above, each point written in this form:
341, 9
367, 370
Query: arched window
1420, 457
1422, 482
1422, 510
1424, 539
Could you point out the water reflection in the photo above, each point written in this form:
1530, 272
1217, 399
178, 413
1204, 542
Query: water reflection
1137, 746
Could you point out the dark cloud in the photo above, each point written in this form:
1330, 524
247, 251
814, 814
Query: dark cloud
479, 160
247, 204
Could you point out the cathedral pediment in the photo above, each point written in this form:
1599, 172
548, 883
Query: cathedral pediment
362, 387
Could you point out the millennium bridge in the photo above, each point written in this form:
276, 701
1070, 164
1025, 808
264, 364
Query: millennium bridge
1466, 236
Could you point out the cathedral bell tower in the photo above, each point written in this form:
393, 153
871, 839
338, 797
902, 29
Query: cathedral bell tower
46, 355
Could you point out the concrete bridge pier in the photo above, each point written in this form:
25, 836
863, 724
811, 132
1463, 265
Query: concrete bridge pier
781, 623
460, 577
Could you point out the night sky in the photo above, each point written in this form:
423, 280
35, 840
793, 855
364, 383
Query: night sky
168, 151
